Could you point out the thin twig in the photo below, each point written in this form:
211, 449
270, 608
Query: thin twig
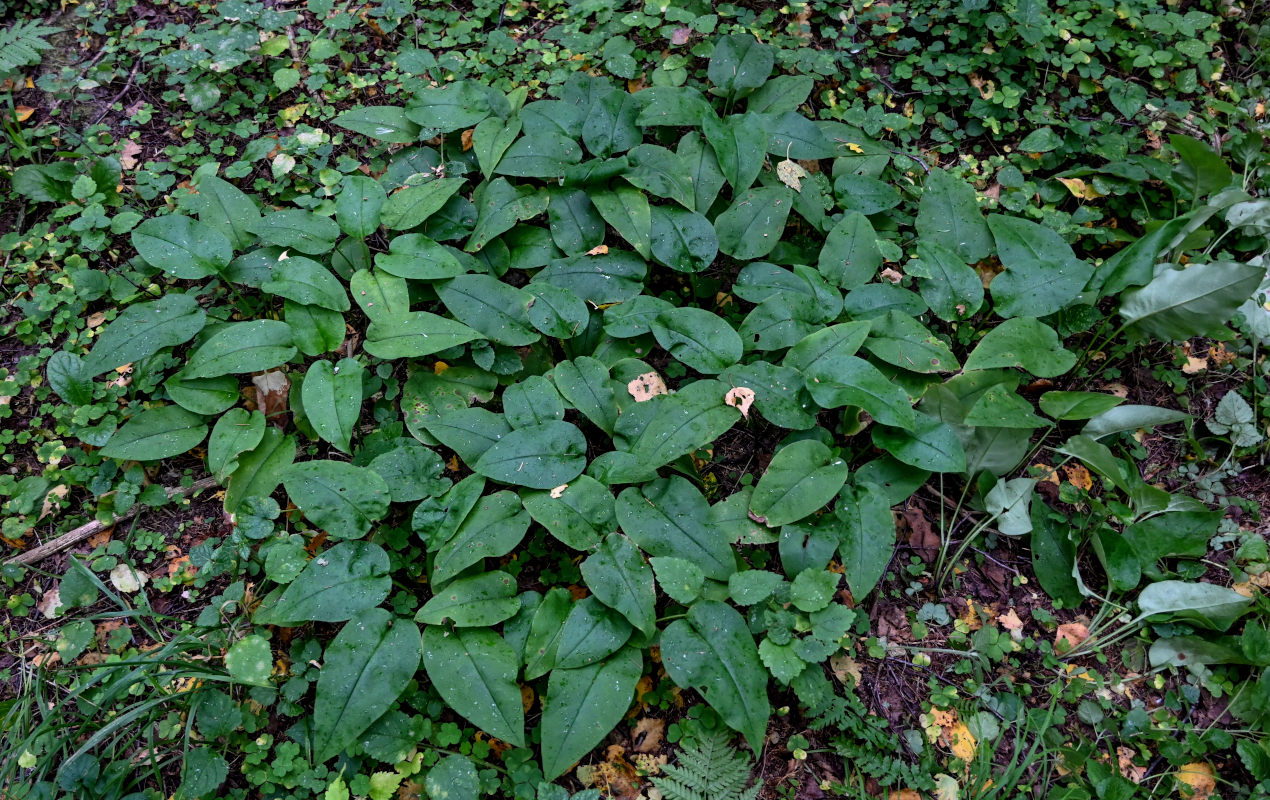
91, 529
106, 110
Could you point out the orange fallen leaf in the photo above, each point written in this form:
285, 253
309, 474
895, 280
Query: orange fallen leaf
23, 113
1071, 633
1078, 476
466, 138
598, 250
1011, 622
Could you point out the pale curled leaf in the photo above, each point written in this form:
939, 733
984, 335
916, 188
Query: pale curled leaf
647, 386
740, 398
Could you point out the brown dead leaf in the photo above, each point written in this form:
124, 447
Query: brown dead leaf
527, 697
986, 88
598, 250
648, 735
1199, 779
100, 539
95, 320
128, 155
1135, 773
466, 139
23, 113
1071, 633
680, 36
1046, 473
647, 386
272, 388
740, 398
558, 492
891, 275
903, 794
1117, 389
922, 535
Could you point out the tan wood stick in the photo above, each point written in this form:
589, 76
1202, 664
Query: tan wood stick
90, 529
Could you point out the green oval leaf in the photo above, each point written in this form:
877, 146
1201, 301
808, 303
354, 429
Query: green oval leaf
341, 499
156, 433
365, 669
582, 705
538, 456
474, 671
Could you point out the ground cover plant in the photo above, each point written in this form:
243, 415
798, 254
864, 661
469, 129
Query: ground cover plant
574, 400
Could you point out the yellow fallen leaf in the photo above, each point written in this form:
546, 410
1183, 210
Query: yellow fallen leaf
1199, 779
853, 147
960, 741
1080, 189
23, 113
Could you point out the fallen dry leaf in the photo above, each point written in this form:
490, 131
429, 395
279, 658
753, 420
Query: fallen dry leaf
50, 504
922, 535
49, 603
740, 398
558, 492
1080, 189
1078, 476
128, 155
23, 113
1199, 778
646, 387
1135, 773
95, 320
648, 735
791, 174
598, 250
844, 666
1011, 622
1072, 633
679, 36
903, 794
272, 389
466, 139
891, 275
946, 787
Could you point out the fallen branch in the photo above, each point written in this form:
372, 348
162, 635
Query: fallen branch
95, 527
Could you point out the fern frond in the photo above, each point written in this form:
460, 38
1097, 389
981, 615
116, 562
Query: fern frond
23, 43
708, 769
